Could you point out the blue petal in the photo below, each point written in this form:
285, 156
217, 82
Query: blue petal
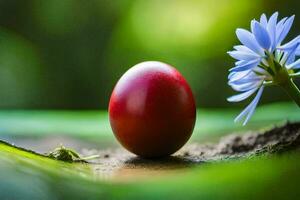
255, 102
241, 96
261, 36
262, 71
271, 27
252, 24
298, 51
238, 75
285, 29
290, 50
292, 55
242, 55
246, 66
243, 48
249, 110
245, 80
290, 45
263, 20
247, 39
279, 29
245, 86
242, 74
240, 62
294, 65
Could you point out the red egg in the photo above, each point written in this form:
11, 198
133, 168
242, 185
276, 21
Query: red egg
152, 110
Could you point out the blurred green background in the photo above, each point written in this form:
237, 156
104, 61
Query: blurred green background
68, 54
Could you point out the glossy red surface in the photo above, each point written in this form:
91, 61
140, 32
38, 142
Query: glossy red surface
152, 110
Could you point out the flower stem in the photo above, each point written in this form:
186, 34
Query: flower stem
292, 90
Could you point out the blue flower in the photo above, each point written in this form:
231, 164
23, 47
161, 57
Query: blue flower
260, 59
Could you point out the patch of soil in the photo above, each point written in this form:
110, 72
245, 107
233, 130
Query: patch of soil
276, 140
119, 163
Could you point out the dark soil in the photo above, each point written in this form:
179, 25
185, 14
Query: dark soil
276, 140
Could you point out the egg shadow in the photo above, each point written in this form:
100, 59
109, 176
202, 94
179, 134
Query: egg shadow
134, 168
165, 163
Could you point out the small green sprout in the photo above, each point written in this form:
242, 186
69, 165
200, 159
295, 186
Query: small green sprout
68, 155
